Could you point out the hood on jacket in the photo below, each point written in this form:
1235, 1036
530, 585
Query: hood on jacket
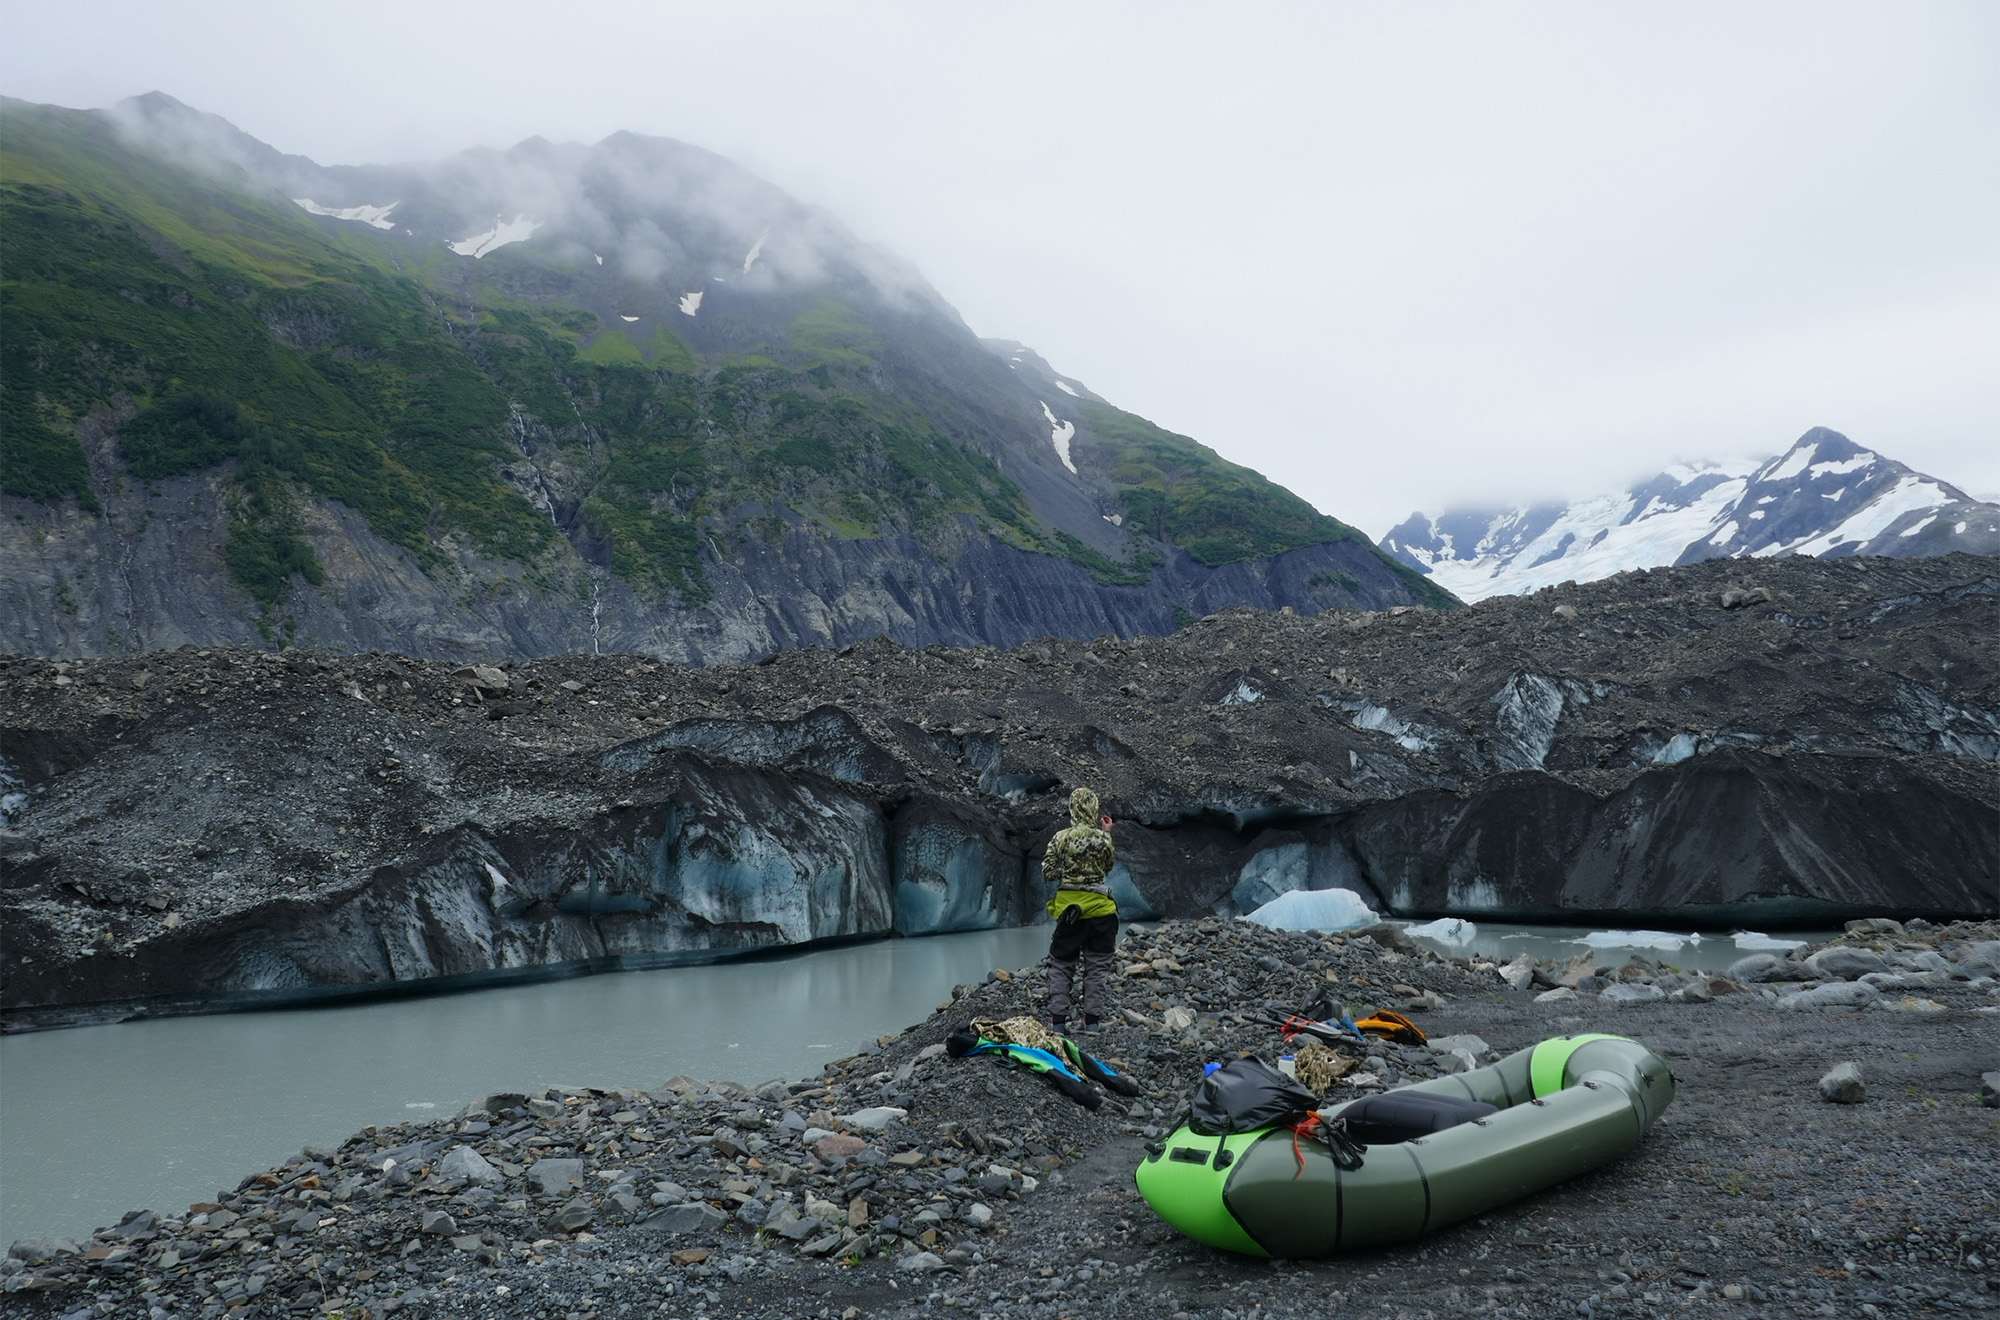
1083, 809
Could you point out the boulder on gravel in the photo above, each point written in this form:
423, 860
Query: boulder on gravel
1845, 962
1639, 993
1843, 1085
467, 1163
1759, 967
1838, 994
1989, 1090
554, 1177
694, 1217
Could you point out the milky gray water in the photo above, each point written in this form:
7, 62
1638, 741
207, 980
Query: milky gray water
95, 1121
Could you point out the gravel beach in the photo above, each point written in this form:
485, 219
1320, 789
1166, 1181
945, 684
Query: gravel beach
992, 1195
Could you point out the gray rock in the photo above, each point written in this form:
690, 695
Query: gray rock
1989, 1090
979, 1214
554, 1177
692, 1217
753, 1213
624, 1205
467, 1163
1845, 963
923, 1262
439, 1223
1843, 1085
1636, 993
576, 1213
798, 1230
824, 1243
1556, 996
1976, 960
1837, 994
875, 1119
1758, 967
37, 1250
1451, 1044
1520, 973
1695, 992
467, 1242
1869, 926
544, 1108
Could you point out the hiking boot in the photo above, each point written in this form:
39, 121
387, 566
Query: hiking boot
1059, 1025
1090, 1021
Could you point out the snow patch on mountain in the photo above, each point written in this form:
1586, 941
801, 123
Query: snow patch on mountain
623, 317
1060, 434
1063, 385
517, 230
378, 216
691, 302
1825, 495
756, 250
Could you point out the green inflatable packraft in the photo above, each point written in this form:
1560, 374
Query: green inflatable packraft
1565, 1106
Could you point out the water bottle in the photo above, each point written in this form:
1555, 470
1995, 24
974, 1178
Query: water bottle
1288, 1064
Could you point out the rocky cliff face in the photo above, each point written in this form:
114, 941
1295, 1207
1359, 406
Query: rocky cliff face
1814, 741
148, 572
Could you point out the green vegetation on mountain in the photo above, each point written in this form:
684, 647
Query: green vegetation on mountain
190, 324
1181, 491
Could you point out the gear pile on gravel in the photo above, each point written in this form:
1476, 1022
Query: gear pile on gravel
901, 1182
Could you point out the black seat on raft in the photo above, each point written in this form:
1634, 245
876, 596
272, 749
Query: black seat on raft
1393, 1116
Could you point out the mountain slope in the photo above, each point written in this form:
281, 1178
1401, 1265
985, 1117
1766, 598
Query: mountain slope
1825, 495
558, 397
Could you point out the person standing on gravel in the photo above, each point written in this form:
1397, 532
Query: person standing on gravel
1078, 860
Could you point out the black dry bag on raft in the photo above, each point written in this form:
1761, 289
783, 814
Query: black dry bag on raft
1246, 1095
1393, 1116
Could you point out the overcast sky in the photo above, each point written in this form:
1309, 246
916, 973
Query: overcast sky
1394, 256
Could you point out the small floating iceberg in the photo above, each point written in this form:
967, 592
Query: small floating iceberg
1445, 930
1637, 939
1315, 909
1756, 940
517, 230
378, 216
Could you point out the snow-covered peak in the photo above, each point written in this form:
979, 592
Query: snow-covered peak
1825, 495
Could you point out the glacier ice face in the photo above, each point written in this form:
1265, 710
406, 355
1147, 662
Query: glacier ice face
1270, 874
949, 876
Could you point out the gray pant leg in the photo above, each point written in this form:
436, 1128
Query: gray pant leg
1061, 975
1096, 982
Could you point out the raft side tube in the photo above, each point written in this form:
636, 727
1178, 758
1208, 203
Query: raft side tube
1274, 1196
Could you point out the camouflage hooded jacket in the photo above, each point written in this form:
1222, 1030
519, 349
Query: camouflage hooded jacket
1078, 859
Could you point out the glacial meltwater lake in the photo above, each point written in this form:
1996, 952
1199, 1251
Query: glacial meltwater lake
95, 1121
